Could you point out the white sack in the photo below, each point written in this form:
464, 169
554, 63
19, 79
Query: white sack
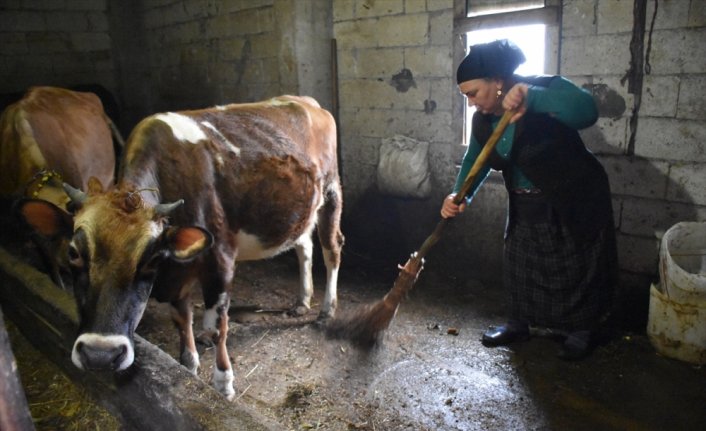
403, 169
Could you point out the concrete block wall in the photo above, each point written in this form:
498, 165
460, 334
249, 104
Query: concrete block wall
157, 55
396, 63
662, 183
60, 43
197, 53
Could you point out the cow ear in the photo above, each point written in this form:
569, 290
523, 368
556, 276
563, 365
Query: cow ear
44, 217
186, 243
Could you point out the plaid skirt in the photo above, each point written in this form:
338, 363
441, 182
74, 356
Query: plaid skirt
555, 281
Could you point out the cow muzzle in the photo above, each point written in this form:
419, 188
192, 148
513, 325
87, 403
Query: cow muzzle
98, 352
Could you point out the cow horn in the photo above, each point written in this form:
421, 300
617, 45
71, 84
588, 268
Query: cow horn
165, 209
77, 196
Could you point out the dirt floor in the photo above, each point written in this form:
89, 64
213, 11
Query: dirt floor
423, 378
420, 377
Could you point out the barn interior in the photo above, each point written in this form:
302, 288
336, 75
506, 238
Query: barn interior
386, 70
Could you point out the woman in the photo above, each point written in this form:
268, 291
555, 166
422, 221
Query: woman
560, 260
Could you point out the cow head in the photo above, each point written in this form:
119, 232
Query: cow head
117, 243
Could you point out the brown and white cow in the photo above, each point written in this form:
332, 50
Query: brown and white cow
237, 182
50, 136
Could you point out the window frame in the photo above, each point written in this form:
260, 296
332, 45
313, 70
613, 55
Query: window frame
511, 3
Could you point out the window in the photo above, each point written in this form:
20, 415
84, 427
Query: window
487, 7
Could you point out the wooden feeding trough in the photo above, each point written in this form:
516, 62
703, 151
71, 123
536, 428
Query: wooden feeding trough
157, 393
14, 413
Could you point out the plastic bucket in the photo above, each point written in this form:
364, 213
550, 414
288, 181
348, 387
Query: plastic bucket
682, 262
676, 329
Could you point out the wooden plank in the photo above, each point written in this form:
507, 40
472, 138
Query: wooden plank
156, 393
14, 412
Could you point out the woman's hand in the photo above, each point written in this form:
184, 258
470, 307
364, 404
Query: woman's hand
515, 100
450, 209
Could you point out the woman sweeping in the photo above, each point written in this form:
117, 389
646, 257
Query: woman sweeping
560, 259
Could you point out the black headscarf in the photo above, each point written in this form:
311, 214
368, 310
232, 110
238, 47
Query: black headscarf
497, 59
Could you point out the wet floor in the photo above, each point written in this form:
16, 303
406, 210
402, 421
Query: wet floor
421, 377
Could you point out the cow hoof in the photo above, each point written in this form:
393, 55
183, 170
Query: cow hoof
190, 362
324, 315
223, 383
298, 310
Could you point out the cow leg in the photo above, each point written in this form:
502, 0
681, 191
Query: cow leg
183, 318
304, 248
331, 238
328, 308
216, 324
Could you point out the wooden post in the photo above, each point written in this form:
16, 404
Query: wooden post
14, 412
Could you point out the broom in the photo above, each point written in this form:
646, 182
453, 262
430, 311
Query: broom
365, 325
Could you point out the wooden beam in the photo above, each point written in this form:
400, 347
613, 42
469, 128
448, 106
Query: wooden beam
156, 393
14, 412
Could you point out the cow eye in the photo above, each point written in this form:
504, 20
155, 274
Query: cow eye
75, 258
148, 270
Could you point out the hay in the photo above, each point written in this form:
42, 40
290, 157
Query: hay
55, 403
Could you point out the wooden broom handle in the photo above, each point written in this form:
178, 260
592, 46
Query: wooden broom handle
483, 157
467, 183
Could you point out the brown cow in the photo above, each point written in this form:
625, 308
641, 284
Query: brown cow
53, 134
249, 181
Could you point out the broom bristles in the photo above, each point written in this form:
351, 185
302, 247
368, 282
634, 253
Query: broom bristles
366, 325
363, 326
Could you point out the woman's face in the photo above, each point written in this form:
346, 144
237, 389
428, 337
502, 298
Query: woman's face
483, 94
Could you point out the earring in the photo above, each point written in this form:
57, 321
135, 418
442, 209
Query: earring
498, 94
